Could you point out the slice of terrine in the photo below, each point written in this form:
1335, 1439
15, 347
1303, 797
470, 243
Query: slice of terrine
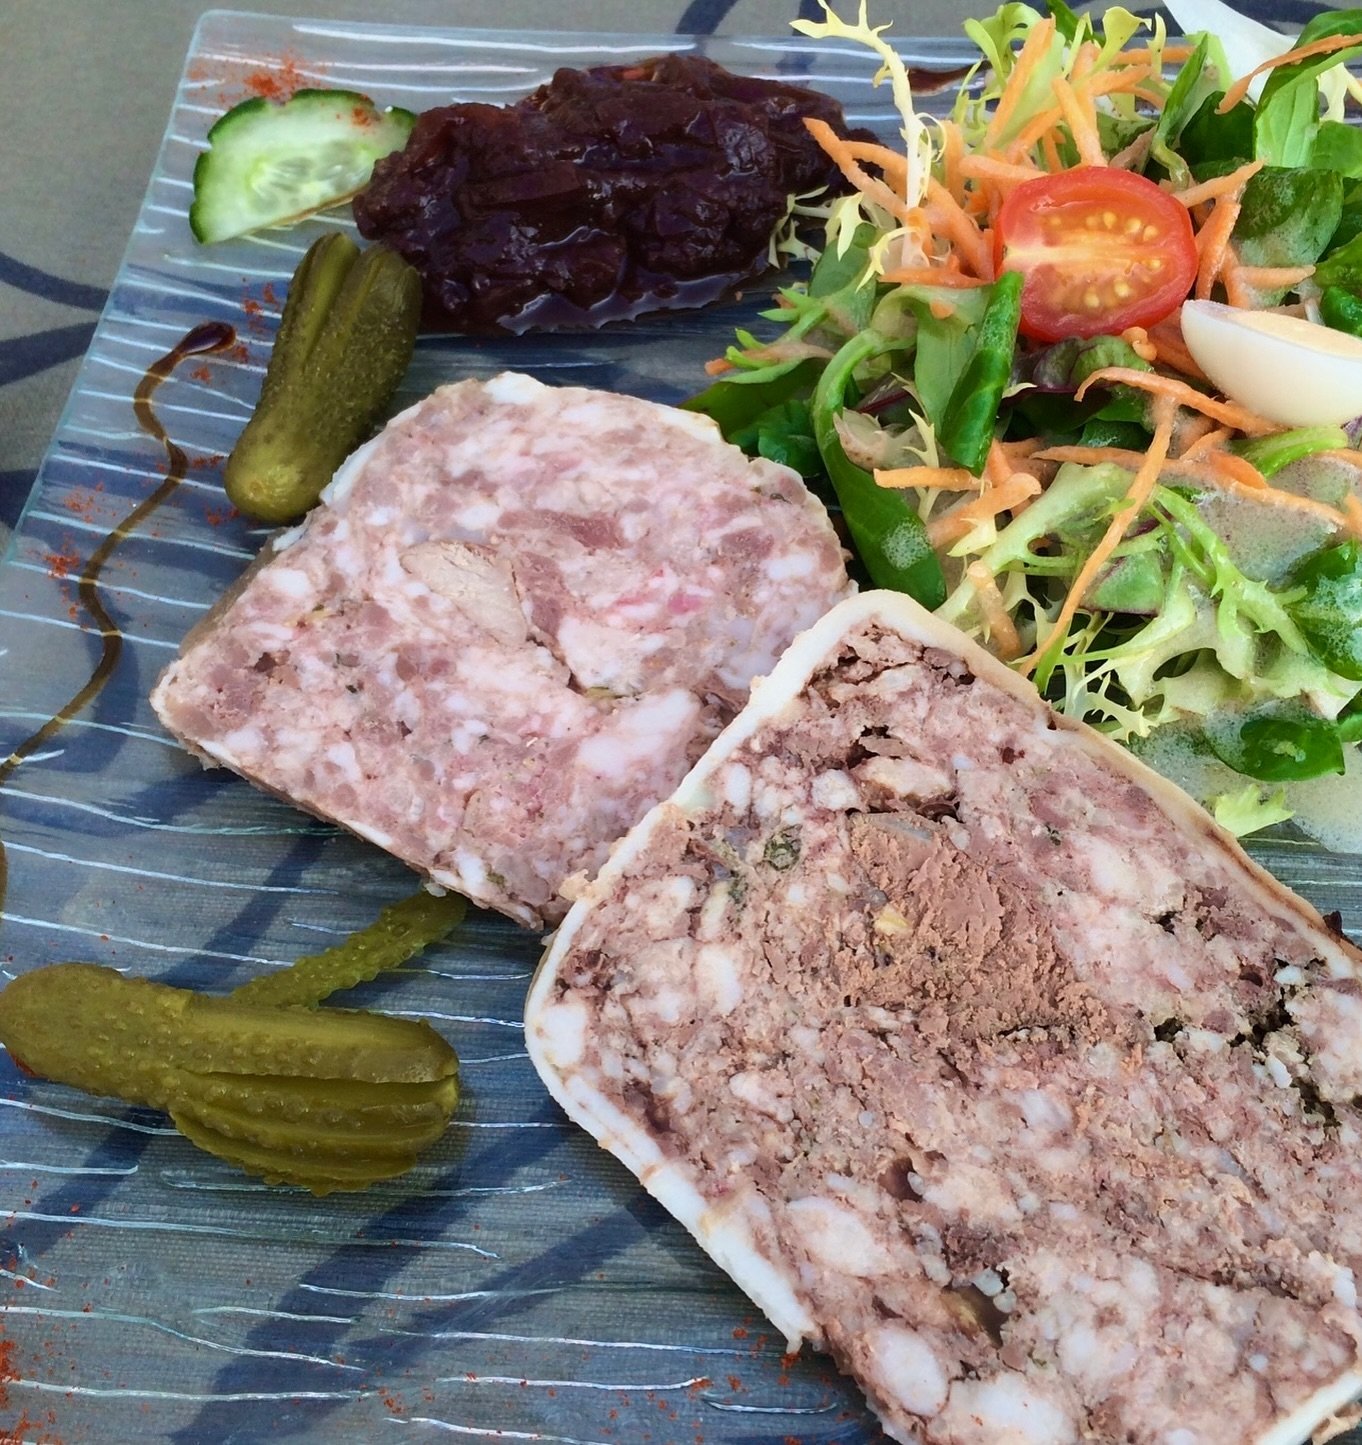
978, 1056
515, 620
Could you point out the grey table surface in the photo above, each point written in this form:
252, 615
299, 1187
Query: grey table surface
85, 90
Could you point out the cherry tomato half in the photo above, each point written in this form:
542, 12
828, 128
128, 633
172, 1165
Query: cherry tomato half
1100, 248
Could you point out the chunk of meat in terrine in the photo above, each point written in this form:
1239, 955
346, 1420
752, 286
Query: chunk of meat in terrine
980, 1057
517, 617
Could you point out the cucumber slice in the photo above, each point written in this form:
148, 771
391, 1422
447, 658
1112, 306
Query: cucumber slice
268, 164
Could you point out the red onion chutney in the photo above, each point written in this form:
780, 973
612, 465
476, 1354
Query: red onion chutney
604, 194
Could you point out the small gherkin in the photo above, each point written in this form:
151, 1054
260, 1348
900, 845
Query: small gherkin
344, 343
327, 1099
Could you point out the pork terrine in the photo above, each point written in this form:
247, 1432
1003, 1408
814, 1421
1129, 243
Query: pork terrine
515, 620
979, 1056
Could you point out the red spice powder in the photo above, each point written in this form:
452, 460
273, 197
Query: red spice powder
83, 503
277, 84
62, 564
273, 79
7, 1371
256, 321
202, 373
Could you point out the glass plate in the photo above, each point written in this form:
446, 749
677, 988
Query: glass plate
519, 1284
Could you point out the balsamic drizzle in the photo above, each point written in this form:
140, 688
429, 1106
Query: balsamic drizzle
211, 336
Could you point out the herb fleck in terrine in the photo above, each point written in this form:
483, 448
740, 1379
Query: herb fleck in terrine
518, 616
979, 1056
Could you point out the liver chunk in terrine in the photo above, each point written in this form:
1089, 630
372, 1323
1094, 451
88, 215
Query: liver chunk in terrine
978, 1056
517, 617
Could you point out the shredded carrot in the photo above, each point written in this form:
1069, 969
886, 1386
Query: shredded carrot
1023, 457
1228, 412
945, 479
1213, 246
1002, 630
1137, 338
1172, 54
1047, 120
1188, 429
1237, 292
894, 165
1084, 60
941, 309
1141, 487
837, 149
997, 468
1143, 55
960, 520
1004, 173
930, 276
1096, 456
718, 366
959, 229
1050, 150
1115, 82
952, 154
1208, 441
1022, 447
1327, 46
1236, 469
1267, 277
1108, 83
1166, 337
1082, 122
1228, 185
1028, 58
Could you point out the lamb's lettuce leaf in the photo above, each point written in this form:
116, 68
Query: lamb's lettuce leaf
1288, 216
1287, 121
1189, 90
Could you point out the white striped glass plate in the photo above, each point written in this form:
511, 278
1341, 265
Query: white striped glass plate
519, 1285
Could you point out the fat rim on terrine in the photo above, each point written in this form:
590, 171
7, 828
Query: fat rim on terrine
516, 618
978, 1055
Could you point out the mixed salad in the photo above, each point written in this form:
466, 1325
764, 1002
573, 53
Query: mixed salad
1081, 364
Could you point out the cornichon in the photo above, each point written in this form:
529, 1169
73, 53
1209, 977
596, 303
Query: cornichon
267, 164
345, 341
323, 1098
401, 930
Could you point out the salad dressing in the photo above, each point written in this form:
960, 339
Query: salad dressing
207, 338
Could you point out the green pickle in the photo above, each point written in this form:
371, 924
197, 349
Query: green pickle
344, 343
326, 1099
401, 929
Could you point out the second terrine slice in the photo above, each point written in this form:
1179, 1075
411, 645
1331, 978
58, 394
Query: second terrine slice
979, 1056
514, 621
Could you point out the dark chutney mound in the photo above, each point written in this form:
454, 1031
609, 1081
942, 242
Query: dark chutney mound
604, 194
